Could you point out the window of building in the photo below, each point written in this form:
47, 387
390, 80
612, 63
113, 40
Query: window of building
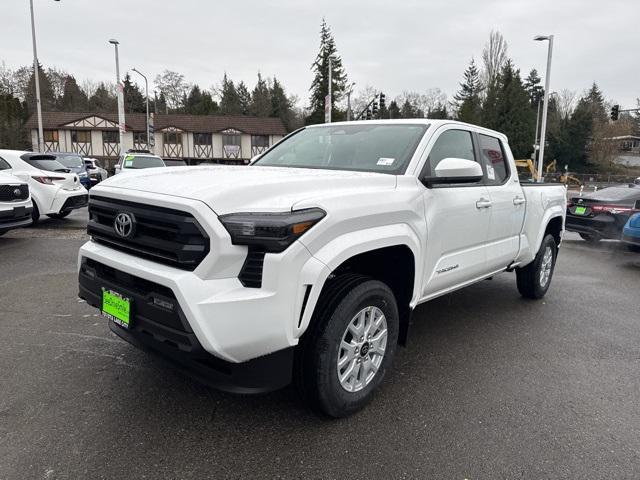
451, 144
173, 138
109, 136
81, 136
139, 138
259, 140
493, 155
51, 136
202, 138
231, 145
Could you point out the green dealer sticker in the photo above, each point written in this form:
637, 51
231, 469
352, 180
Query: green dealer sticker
116, 308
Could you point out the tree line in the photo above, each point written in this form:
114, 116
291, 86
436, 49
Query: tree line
61, 92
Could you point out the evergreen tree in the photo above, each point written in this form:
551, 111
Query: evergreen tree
12, 116
200, 102
161, 104
260, 99
439, 112
468, 97
320, 85
229, 99
245, 98
281, 105
47, 97
514, 116
533, 87
73, 98
134, 101
103, 100
409, 111
394, 110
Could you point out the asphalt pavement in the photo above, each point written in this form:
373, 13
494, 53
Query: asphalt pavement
491, 386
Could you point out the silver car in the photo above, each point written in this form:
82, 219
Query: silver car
96, 172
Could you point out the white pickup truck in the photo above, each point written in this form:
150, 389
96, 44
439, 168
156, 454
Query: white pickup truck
306, 265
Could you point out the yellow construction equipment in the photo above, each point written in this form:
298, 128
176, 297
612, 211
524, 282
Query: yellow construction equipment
528, 166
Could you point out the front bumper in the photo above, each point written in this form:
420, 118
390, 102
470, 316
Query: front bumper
67, 200
15, 217
160, 327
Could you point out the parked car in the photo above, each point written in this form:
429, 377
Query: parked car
602, 214
15, 201
174, 162
138, 159
306, 265
631, 231
54, 191
96, 172
75, 163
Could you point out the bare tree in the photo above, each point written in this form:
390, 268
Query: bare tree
566, 103
362, 99
604, 147
58, 80
494, 56
173, 86
7, 85
89, 87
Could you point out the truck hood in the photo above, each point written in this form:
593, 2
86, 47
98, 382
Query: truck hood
228, 189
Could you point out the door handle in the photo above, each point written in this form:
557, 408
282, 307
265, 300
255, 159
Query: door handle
483, 203
519, 200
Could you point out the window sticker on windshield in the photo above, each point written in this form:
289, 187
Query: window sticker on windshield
491, 173
128, 163
129, 157
386, 162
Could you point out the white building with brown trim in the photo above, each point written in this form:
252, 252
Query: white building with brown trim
192, 138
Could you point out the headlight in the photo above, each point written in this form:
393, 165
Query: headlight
272, 231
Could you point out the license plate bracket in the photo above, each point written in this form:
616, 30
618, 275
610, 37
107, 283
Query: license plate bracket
117, 308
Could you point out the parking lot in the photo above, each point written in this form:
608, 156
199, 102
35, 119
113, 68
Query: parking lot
490, 386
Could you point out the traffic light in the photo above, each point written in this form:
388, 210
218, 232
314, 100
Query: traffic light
383, 99
374, 109
368, 114
615, 112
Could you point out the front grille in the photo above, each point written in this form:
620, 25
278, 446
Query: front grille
164, 235
13, 193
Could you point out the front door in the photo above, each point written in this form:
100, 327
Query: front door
457, 218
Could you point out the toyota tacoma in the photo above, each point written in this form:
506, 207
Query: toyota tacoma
306, 265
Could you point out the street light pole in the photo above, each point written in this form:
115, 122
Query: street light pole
146, 89
330, 93
36, 76
121, 126
543, 128
353, 84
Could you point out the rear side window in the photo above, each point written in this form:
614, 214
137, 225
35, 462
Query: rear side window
494, 159
451, 144
4, 165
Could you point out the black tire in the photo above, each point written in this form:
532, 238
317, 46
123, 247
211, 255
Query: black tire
35, 214
590, 238
633, 248
528, 278
60, 215
2, 232
316, 370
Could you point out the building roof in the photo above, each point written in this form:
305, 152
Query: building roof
190, 123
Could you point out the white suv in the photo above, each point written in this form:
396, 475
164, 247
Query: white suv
15, 201
54, 192
138, 159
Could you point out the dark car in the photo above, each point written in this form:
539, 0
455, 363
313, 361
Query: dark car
75, 163
604, 213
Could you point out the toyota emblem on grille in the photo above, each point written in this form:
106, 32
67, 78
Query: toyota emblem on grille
124, 225
17, 192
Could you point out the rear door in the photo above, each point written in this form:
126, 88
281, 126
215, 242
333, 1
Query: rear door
508, 202
457, 218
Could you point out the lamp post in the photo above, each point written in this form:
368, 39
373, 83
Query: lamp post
146, 94
349, 92
121, 127
36, 76
543, 128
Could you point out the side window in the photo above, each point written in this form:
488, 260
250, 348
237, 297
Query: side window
494, 159
4, 165
451, 144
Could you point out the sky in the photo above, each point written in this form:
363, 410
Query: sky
393, 45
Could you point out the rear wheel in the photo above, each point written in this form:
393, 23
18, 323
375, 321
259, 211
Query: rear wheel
350, 344
534, 279
60, 215
587, 237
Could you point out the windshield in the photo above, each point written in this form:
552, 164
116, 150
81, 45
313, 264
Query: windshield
134, 161
48, 164
383, 148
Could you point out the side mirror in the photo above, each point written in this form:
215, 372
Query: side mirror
454, 171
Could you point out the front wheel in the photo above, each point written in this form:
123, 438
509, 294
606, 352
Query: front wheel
350, 345
534, 279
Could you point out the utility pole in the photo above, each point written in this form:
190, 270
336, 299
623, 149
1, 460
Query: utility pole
349, 101
36, 76
120, 89
146, 89
543, 128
